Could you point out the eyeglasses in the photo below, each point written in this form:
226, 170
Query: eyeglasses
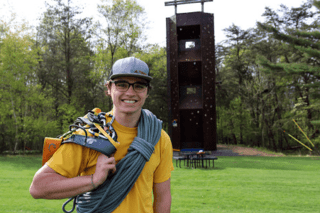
123, 86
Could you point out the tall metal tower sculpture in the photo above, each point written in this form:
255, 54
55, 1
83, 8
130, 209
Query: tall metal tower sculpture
191, 78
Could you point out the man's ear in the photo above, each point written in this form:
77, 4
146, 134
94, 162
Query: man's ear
108, 91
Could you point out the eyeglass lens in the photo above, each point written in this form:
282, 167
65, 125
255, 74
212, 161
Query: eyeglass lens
123, 86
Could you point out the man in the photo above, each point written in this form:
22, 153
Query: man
75, 169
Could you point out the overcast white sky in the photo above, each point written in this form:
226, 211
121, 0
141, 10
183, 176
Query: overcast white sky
243, 13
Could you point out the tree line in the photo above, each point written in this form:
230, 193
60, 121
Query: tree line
56, 73
50, 76
270, 80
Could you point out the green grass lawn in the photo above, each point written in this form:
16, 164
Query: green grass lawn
249, 184
236, 184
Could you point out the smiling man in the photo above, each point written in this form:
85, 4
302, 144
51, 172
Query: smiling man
74, 170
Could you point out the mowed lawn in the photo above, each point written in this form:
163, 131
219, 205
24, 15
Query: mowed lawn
249, 184
236, 184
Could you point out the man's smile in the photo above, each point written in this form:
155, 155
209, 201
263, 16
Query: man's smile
129, 101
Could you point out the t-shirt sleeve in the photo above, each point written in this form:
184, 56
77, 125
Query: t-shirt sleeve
69, 160
163, 171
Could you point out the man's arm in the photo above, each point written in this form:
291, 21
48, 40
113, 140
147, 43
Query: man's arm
162, 197
48, 184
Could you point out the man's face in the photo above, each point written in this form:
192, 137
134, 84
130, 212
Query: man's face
129, 102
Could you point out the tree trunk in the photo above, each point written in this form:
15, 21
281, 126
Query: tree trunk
232, 133
271, 136
241, 122
278, 111
262, 124
16, 138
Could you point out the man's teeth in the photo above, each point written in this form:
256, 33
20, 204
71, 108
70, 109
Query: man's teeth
129, 102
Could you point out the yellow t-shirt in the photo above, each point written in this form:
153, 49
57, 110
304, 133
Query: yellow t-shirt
71, 160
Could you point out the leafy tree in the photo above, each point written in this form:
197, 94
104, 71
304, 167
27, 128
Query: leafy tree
256, 96
22, 105
125, 22
301, 64
120, 35
64, 72
236, 72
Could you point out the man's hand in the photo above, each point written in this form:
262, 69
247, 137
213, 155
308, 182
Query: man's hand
103, 167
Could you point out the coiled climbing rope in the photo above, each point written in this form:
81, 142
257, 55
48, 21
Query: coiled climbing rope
108, 196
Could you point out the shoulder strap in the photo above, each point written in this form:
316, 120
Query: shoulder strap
101, 145
87, 131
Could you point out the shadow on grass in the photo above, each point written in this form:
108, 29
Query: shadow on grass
207, 168
262, 163
202, 169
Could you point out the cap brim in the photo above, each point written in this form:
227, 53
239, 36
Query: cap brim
148, 78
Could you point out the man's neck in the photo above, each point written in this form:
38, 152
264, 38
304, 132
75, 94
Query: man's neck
127, 119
